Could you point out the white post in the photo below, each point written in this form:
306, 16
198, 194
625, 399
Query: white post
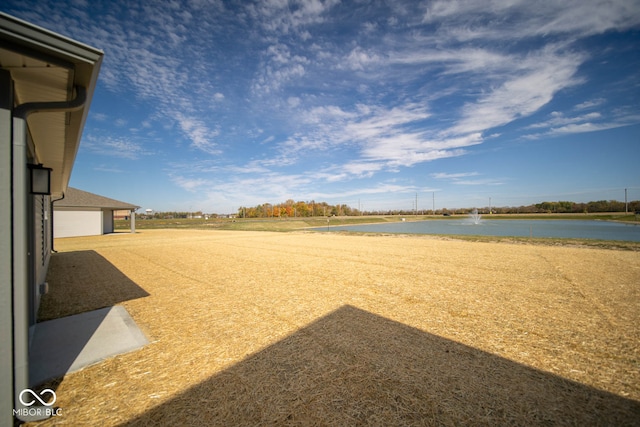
132, 218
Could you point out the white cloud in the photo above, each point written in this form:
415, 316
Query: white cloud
369, 27
381, 188
522, 18
585, 127
108, 169
522, 94
293, 101
279, 68
375, 122
272, 187
121, 147
190, 184
477, 182
454, 176
462, 178
590, 104
359, 60
362, 169
384, 138
286, 16
199, 134
456, 60
408, 150
561, 124
558, 119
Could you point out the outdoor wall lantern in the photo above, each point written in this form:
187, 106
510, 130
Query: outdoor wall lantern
40, 179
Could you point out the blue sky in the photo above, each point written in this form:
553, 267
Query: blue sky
212, 105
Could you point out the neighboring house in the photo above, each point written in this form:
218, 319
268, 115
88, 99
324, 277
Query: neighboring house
122, 214
46, 85
81, 213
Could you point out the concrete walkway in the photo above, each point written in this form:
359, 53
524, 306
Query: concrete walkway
68, 344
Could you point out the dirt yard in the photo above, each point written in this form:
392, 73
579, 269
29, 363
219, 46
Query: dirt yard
260, 328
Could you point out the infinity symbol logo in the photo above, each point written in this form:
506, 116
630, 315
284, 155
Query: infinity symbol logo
35, 397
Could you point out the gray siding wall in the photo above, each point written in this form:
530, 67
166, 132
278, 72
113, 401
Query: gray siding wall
41, 250
6, 252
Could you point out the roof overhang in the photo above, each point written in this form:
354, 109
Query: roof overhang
46, 68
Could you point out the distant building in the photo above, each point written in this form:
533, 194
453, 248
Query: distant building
81, 213
123, 214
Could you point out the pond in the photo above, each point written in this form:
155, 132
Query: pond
572, 229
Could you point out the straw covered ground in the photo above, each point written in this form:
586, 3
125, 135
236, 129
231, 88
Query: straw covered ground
262, 328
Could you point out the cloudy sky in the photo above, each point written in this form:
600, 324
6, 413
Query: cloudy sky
212, 105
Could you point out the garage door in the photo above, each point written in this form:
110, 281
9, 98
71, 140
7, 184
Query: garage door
77, 223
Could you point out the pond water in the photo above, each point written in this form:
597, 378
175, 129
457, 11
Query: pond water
574, 229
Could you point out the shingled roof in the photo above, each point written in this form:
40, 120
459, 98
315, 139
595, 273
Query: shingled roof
74, 198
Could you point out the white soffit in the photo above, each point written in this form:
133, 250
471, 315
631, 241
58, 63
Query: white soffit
37, 81
45, 67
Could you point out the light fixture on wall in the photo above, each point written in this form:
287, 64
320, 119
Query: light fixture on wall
40, 179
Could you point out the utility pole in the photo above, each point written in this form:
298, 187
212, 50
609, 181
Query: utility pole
626, 204
416, 203
434, 202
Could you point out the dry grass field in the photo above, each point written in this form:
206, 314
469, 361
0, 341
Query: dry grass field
263, 328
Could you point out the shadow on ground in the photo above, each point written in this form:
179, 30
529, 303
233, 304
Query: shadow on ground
353, 367
82, 281
78, 324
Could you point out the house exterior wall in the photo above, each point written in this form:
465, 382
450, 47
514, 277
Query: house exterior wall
40, 250
42, 236
71, 222
25, 219
107, 221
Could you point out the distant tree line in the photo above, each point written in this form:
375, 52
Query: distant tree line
590, 207
293, 209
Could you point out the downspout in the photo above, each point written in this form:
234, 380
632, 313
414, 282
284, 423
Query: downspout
23, 111
52, 221
20, 248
